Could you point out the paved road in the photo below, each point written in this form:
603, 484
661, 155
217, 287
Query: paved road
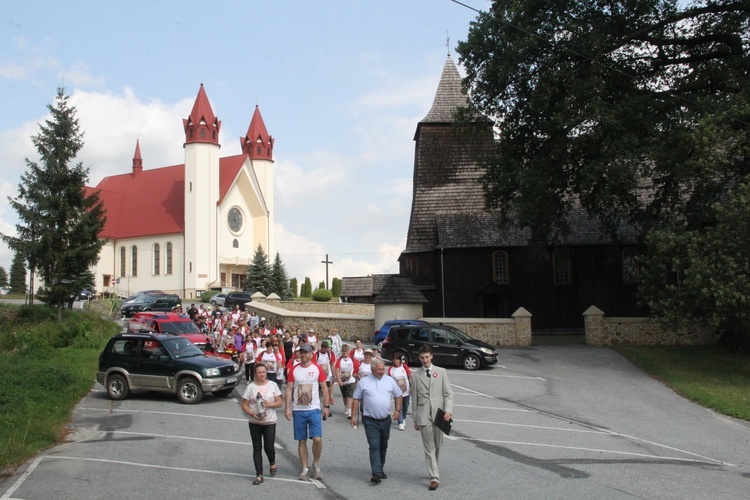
550, 422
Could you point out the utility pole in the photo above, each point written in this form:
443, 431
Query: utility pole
326, 262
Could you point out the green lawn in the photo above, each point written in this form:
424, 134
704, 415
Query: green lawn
46, 367
711, 376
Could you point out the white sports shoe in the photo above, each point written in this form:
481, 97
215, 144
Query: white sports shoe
304, 476
316, 471
401, 427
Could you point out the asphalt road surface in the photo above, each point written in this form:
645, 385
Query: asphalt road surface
548, 422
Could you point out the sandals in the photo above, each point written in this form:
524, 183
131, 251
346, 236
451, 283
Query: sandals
273, 470
258, 480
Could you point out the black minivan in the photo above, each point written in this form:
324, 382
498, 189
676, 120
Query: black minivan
450, 346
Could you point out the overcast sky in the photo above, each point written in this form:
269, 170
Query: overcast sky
341, 85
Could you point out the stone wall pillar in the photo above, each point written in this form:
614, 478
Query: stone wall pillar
593, 321
522, 327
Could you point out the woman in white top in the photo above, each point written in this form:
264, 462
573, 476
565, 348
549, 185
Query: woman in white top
401, 373
357, 353
259, 402
336, 342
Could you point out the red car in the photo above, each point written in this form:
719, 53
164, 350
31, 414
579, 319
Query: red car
179, 324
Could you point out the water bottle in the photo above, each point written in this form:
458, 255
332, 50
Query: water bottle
259, 410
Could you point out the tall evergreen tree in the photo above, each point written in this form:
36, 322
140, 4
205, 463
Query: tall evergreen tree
279, 279
306, 288
18, 274
293, 287
59, 222
3, 277
259, 273
336, 287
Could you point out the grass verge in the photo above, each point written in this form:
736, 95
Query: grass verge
46, 368
711, 376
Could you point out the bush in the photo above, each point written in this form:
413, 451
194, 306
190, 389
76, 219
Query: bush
322, 295
206, 296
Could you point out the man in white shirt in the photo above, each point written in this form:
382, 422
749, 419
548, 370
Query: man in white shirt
375, 391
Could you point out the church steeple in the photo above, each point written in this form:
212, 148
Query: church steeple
137, 160
258, 144
202, 125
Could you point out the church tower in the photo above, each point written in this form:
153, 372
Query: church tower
201, 195
258, 145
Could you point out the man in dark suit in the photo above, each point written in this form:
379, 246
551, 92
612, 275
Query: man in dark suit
431, 390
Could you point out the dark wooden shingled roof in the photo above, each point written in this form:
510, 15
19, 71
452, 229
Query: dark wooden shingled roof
446, 174
363, 286
399, 290
481, 229
448, 201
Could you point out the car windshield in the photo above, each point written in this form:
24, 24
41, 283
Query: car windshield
178, 327
182, 348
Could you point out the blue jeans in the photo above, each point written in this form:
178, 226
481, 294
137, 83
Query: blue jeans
404, 409
377, 432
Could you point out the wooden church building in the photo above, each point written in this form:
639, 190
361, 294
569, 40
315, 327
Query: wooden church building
466, 266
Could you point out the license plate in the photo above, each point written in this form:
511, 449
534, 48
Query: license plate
231, 380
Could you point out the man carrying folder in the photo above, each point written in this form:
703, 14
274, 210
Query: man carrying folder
431, 391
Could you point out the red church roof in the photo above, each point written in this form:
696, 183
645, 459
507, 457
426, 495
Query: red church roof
152, 202
257, 143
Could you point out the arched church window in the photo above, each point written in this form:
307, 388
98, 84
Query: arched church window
122, 261
259, 149
203, 133
134, 260
157, 259
169, 258
235, 243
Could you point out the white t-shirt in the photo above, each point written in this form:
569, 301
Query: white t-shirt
270, 361
326, 360
305, 395
268, 392
401, 376
365, 369
346, 370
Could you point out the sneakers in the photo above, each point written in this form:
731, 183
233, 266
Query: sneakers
348, 413
401, 426
316, 471
304, 475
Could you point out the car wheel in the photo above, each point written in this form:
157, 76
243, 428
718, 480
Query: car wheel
223, 393
213, 303
471, 362
189, 391
379, 345
117, 387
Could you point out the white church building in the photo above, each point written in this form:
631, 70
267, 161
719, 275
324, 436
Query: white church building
191, 227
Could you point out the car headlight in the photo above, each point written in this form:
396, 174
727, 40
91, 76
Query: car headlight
236, 366
487, 351
212, 372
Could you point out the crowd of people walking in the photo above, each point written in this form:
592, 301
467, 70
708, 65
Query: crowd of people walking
310, 365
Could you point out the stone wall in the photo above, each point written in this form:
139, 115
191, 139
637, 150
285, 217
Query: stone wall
500, 332
323, 307
514, 331
603, 331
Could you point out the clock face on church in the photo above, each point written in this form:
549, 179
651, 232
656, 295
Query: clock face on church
235, 219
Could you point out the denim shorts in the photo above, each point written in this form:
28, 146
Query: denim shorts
304, 420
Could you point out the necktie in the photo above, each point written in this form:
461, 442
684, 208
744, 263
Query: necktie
428, 372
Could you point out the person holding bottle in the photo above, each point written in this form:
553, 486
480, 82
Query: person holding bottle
259, 402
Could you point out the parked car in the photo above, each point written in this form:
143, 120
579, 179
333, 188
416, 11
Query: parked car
218, 299
450, 346
166, 302
237, 298
138, 295
379, 336
163, 363
178, 324
85, 294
